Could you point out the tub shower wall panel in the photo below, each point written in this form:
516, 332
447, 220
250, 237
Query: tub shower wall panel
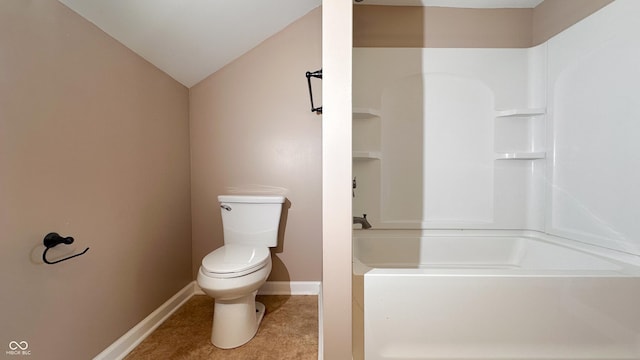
457, 157
402, 146
367, 175
440, 110
593, 193
372, 71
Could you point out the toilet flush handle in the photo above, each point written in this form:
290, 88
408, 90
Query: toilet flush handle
226, 207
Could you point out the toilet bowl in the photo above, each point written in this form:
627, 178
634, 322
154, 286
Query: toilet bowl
236, 315
233, 273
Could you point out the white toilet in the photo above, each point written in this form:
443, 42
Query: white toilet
233, 273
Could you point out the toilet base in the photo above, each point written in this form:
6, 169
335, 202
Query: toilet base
260, 310
236, 321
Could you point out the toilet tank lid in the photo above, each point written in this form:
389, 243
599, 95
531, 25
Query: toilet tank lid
254, 199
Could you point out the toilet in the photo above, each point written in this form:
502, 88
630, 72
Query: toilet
233, 273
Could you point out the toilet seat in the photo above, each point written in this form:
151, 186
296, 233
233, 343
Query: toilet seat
235, 260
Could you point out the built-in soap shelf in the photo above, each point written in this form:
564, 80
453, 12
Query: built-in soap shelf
521, 112
367, 155
365, 113
366, 134
524, 155
527, 133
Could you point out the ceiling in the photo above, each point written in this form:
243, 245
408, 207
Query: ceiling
191, 39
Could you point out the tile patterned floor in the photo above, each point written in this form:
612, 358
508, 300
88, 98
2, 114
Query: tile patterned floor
289, 330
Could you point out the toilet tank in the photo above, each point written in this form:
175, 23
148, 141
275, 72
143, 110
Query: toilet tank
249, 219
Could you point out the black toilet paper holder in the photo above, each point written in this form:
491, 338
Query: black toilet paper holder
53, 239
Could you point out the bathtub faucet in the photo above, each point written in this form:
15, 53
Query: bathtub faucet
362, 221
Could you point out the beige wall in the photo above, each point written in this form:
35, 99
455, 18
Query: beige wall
94, 144
413, 26
416, 26
252, 130
553, 16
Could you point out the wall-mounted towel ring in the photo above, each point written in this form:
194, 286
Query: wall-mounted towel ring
53, 239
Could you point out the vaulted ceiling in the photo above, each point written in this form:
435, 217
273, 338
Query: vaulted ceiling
191, 39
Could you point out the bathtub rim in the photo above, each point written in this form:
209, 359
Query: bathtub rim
629, 263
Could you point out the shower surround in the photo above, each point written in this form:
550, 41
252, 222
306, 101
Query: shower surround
538, 141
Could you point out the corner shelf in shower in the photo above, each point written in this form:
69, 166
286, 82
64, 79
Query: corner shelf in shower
520, 112
367, 155
364, 113
521, 155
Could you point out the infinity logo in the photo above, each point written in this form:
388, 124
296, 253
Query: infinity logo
22, 345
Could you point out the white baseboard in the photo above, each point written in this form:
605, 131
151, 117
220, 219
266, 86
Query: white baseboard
127, 342
320, 325
290, 288
283, 288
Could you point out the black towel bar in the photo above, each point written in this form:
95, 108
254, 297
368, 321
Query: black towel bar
316, 74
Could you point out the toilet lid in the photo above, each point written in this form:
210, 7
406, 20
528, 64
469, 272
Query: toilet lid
232, 259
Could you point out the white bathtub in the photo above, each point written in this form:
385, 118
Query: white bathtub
492, 296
